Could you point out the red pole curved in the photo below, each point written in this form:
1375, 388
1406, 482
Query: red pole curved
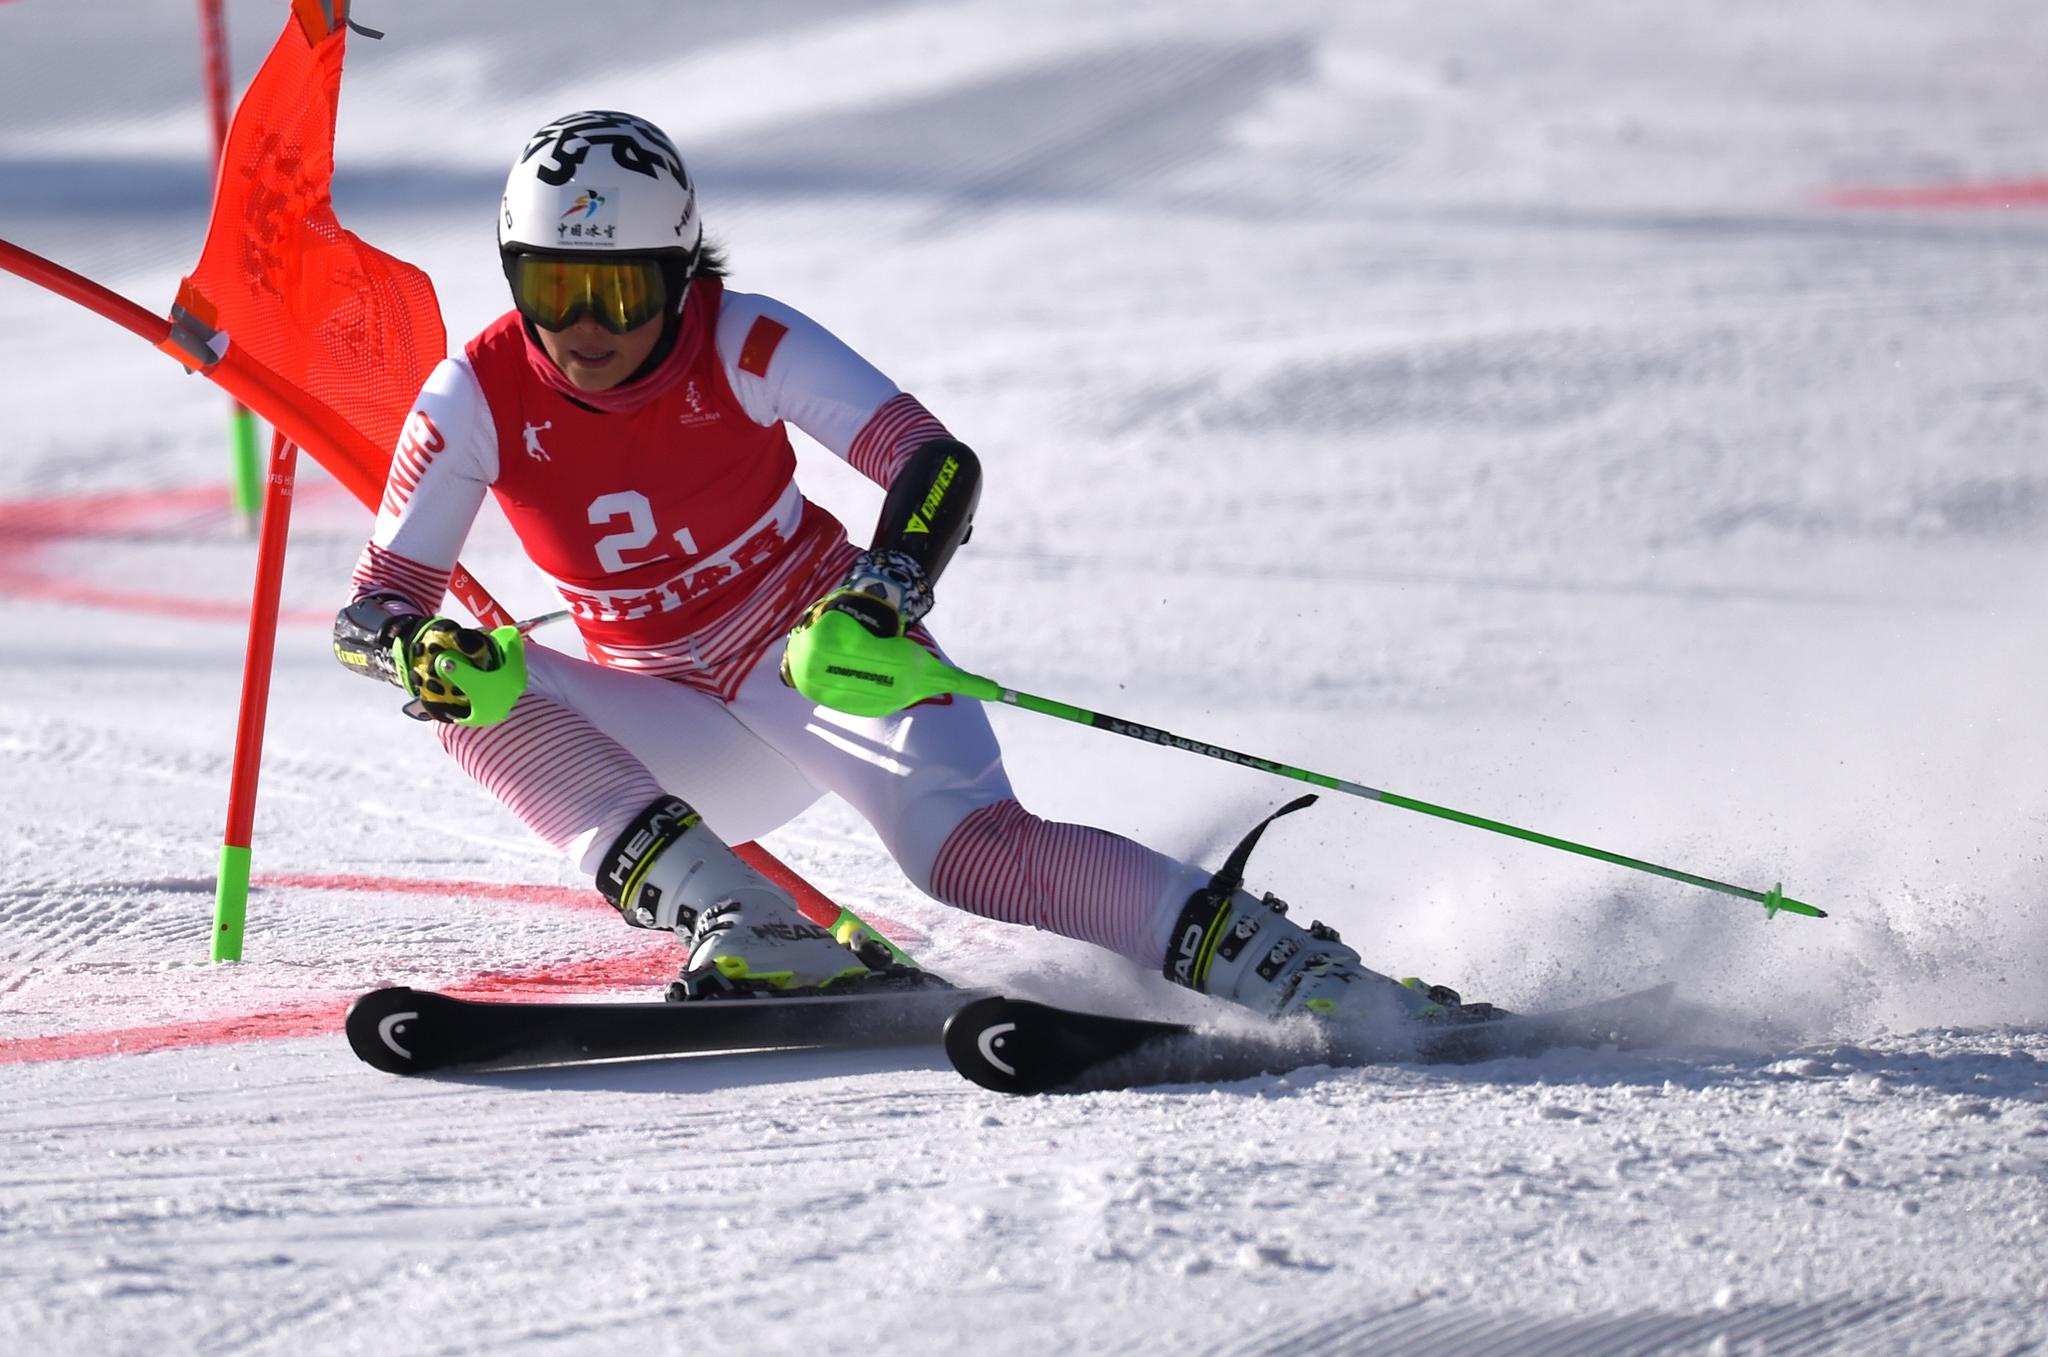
88, 294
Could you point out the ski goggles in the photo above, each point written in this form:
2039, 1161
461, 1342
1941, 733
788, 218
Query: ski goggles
619, 294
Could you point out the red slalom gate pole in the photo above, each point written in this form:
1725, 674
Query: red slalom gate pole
76, 287
213, 45
231, 889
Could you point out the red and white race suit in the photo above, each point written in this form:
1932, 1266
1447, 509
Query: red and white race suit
678, 538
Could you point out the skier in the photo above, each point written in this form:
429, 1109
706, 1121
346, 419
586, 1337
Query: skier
629, 415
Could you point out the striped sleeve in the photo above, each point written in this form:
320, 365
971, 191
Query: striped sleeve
379, 571
900, 427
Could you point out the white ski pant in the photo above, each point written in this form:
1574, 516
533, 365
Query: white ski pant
588, 747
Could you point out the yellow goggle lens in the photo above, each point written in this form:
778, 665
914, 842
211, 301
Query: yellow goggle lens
620, 294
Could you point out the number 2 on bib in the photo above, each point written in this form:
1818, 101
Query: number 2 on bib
632, 506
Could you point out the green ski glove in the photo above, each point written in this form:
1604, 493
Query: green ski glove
459, 674
836, 662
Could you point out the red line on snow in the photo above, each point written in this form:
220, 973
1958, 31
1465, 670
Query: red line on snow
1956, 197
574, 897
28, 528
655, 965
294, 1022
651, 965
567, 897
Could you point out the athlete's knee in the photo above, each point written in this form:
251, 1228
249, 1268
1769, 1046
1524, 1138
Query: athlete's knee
924, 831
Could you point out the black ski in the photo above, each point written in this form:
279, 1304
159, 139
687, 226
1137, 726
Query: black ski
1017, 1046
408, 1031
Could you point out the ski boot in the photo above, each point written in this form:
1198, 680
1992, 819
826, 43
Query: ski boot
745, 934
1244, 948
1446, 1008
758, 943
1233, 945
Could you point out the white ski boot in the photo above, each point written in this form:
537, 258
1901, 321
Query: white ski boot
745, 934
1244, 948
1237, 946
757, 942
1442, 1004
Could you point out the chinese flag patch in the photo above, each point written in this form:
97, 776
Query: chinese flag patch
759, 349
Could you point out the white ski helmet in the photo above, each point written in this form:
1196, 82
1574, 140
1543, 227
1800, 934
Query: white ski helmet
600, 181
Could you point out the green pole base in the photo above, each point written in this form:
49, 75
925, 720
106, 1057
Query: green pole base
247, 471
230, 902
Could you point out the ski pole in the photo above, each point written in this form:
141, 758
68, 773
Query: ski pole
533, 624
842, 665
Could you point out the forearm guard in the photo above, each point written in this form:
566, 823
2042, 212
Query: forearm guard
929, 510
365, 629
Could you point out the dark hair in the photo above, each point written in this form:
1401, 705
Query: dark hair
711, 261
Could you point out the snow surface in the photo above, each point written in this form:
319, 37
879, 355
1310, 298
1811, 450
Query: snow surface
1481, 401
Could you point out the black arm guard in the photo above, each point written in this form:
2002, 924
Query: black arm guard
365, 629
930, 507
